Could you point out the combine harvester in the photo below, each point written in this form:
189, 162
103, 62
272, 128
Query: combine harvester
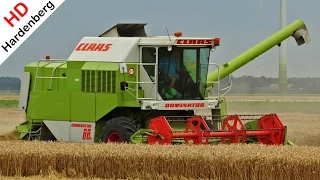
117, 88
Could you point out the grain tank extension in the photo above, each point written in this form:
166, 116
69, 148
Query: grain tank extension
124, 86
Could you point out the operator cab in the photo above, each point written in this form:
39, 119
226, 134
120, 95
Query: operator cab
182, 67
182, 72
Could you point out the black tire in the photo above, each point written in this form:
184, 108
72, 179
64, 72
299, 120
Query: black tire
119, 126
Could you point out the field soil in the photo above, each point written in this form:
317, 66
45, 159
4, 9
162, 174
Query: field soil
9, 119
274, 98
9, 97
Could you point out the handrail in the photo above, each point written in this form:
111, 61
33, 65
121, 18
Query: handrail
43, 77
54, 71
229, 88
137, 82
214, 82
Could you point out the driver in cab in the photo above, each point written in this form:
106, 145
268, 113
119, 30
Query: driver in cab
170, 65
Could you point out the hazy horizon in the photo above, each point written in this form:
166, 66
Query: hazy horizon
233, 21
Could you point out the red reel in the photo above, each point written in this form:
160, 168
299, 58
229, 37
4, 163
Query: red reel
160, 126
197, 125
272, 123
234, 124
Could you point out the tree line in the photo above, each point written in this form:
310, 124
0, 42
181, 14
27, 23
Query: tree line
11, 84
240, 85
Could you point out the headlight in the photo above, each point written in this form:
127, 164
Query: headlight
155, 106
211, 104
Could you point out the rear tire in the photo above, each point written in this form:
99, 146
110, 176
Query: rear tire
118, 129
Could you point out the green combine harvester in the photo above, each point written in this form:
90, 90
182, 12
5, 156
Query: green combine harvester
126, 87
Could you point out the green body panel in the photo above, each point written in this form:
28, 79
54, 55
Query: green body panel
73, 80
105, 103
255, 51
89, 90
253, 125
23, 129
223, 107
75, 64
49, 106
83, 107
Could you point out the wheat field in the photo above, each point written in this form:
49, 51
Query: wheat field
136, 161
45, 160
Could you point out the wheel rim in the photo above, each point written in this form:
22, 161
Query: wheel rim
114, 137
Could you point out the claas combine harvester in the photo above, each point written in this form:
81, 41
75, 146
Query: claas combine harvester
126, 87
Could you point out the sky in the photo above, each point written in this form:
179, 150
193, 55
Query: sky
231, 20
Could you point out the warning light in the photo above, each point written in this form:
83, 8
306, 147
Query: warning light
178, 34
47, 58
216, 41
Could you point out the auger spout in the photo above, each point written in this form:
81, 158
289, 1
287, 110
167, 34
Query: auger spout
297, 29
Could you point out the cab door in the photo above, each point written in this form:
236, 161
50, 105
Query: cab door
190, 62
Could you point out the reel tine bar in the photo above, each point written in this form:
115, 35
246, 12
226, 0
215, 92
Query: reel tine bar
270, 131
237, 127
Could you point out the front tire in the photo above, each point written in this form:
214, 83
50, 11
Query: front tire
118, 130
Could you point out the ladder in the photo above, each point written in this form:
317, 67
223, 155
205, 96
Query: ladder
35, 130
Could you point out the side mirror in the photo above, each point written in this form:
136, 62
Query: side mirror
230, 79
213, 48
